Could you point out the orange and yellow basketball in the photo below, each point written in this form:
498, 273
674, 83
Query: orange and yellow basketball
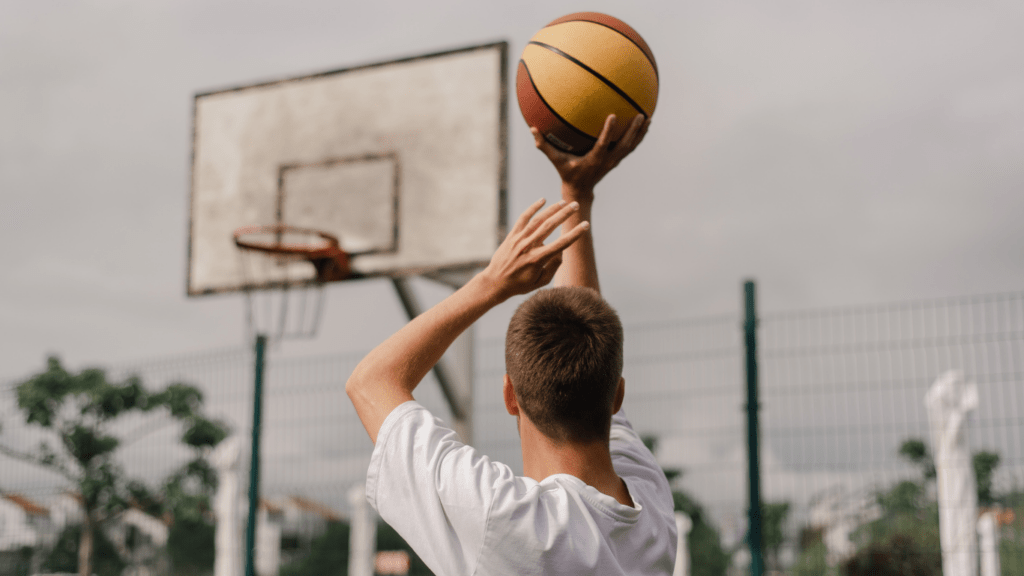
579, 69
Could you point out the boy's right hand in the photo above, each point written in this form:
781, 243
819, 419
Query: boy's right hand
581, 173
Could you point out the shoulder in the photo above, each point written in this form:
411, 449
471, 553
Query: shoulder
412, 442
627, 448
433, 489
635, 464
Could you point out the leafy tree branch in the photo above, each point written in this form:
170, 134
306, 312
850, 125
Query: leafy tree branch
80, 410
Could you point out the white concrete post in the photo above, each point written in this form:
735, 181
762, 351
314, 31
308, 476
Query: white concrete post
268, 545
838, 544
949, 401
683, 527
227, 559
362, 543
988, 533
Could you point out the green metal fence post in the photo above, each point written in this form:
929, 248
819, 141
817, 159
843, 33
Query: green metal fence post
254, 465
753, 464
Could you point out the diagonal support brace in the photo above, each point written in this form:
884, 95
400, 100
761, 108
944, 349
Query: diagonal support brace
441, 369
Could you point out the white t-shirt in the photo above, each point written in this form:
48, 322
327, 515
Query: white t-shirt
465, 515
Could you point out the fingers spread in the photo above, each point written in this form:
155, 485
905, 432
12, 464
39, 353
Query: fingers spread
541, 218
525, 217
523, 262
548, 220
566, 239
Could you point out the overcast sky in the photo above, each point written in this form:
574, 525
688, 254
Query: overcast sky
841, 153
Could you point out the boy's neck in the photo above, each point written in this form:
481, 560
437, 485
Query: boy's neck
590, 462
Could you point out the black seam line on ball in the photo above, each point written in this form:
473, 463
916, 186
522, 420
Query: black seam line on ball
648, 57
596, 75
552, 110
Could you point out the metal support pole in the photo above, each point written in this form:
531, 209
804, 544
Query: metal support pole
753, 440
254, 465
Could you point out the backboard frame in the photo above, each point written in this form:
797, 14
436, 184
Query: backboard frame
501, 49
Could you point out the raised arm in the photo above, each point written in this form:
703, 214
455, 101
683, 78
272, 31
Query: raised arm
579, 176
386, 377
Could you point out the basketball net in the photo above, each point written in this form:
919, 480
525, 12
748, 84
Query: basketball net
267, 309
285, 269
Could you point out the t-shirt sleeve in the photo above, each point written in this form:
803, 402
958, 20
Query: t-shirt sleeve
432, 489
633, 460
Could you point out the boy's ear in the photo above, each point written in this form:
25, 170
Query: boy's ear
511, 404
620, 394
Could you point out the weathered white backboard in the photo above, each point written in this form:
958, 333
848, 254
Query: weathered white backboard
403, 161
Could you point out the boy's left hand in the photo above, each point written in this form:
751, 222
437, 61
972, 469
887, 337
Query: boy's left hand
523, 262
581, 173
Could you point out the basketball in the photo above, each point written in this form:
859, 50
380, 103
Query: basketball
579, 69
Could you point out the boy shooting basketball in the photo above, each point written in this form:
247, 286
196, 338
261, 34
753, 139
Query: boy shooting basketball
593, 499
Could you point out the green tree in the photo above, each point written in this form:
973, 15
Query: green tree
906, 497
63, 557
813, 560
190, 545
907, 533
985, 464
773, 533
328, 556
79, 410
1011, 546
184, 497
908, 526
915, 451
900, 555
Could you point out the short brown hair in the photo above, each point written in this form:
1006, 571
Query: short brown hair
563, 354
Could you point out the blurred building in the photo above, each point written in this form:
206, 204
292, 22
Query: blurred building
25, 529
286, 528
837, 514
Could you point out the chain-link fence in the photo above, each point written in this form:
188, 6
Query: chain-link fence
844, 394
846, 447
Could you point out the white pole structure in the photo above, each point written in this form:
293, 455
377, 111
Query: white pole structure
362, 542
225, 458
949, 401
683, 527
838, 514
988, 533
268, 545
838, 544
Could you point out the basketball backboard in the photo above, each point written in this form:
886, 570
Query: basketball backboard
405, 162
